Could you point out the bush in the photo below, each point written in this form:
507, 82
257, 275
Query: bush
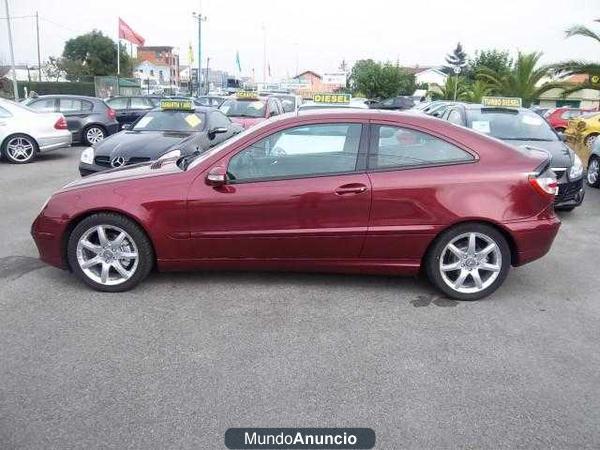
57, 87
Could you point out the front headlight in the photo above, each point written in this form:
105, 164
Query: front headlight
576, 169
87, 155
171, 154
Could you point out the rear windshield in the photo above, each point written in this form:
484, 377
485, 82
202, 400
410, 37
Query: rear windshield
243, 108
511, 125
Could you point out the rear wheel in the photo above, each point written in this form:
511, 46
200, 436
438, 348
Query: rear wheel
20, 149
469, 261
109, 252
593, 172
93, 134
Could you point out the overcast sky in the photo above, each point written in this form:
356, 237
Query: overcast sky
313, 34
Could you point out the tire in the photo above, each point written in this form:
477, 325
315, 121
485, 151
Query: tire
589, 140
134, 255
20, 149
491, 268
565, 208
93, 134
593, 173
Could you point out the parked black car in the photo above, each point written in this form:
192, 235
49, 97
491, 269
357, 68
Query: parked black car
89, 119
399, 102
177, 129
131, 108
527, 131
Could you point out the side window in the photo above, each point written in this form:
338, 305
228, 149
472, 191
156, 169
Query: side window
220, 120
67, 105
4, 113
455, 117
388, 102
394, 147
304, 151
140, 103
44, 105
117, 103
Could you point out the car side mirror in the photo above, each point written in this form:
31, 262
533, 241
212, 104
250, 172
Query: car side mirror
562, 136
126, 126
216, 177
272, 113
218, 130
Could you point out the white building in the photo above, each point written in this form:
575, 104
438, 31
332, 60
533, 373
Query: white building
159, 74
431, 76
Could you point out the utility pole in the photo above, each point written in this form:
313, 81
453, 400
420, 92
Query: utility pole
264, 29
200, 18
37, 33
12, 53
206, 77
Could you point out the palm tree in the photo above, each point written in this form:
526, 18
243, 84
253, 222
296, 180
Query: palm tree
578, 67
454, 86
525, 79
475, 91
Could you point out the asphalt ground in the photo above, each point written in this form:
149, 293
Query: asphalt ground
180, 359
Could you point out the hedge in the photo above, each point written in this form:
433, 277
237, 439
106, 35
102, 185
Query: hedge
57, 87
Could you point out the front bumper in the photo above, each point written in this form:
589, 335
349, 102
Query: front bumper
47, 234
570, 193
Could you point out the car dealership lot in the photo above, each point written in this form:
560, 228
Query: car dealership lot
185, 356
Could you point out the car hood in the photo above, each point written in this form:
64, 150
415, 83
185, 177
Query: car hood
558, 150
126, 173
150, 144
247, 122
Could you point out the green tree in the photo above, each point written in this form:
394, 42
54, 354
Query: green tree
474, 91
455, 88
456, 59
524, 79
377, 80
93, 54
498, 61
576, 67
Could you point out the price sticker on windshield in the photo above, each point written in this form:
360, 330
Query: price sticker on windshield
193, 120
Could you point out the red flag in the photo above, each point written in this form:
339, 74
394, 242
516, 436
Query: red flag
125, 32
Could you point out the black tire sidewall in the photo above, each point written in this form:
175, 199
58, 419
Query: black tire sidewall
24, 136
89, 127
144, 246
597, 183
434, 255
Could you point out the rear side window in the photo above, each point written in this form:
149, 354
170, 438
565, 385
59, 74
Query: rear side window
141, 103
395, 147
117, 103
66, 105
455, 117
44, 105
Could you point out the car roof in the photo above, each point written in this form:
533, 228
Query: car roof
75, 96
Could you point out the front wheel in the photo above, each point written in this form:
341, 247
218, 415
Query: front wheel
20, 149
469, 261
109, 252
593, 172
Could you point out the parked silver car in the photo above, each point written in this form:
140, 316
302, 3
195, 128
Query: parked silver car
25, 133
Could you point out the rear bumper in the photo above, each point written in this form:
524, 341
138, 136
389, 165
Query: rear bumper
534, 238
59, 140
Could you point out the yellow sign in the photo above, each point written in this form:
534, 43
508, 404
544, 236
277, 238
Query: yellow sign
502, 102
247, 95
595, 79
332, 98
193, 120
168, 104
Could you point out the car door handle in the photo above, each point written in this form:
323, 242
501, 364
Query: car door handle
353, 188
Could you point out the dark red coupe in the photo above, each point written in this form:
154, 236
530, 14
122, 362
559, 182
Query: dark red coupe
356, 191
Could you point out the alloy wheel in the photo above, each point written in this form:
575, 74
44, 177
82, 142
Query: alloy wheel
94, 135
590, 140
470, 263
20, 149
593, 171
107, 255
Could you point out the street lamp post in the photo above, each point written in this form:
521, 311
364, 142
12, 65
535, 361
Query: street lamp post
12, 53
457, 71
200, 18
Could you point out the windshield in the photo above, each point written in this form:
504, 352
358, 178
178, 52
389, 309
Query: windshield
171, 121
511, 125
243, 108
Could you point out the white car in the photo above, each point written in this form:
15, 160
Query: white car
24, 132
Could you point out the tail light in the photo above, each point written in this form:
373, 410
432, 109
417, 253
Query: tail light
111, 114
61, 124
544, 184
